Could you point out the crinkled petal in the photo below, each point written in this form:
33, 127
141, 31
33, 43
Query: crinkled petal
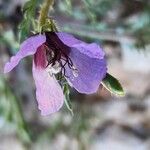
90, 70
28, 47
92, 50
48, 92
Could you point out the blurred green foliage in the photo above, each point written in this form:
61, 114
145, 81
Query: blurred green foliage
130, 17
10, 111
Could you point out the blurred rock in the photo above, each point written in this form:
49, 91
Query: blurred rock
8, 142
116, 137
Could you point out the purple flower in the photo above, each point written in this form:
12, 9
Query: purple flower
83, 65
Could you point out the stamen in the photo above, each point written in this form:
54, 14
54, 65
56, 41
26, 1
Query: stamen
54, 69
58, 56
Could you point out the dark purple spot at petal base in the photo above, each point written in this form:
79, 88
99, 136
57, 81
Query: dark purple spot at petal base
40, 57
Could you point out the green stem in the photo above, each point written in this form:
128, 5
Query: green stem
44, 12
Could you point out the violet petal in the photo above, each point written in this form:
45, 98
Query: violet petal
68, 39
28, 47
90, 70
92, 50
48, 92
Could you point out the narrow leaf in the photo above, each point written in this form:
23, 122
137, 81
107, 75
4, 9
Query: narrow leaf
67, 98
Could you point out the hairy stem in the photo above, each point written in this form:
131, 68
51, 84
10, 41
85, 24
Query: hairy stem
44, 12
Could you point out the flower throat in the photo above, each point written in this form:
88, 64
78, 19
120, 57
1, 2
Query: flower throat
57, 53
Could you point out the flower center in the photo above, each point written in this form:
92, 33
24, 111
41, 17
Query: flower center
57, 55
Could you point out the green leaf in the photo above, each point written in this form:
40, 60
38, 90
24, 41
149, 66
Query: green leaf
27, 22
113, 85
67, 98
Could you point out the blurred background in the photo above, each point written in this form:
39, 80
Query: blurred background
101, 121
